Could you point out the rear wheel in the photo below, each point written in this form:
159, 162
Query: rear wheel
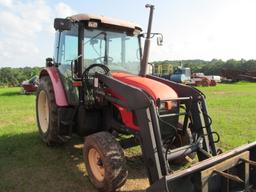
104, 161
46, 113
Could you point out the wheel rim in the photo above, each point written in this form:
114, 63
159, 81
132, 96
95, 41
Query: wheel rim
96, 164
43, 111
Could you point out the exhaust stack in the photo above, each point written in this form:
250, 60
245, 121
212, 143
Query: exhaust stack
144, 62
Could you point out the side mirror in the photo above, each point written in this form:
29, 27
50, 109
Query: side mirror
152, 35
160, 39
62, 24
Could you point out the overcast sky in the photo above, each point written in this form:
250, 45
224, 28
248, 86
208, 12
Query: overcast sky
192, 29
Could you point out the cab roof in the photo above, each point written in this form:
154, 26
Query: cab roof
104, 20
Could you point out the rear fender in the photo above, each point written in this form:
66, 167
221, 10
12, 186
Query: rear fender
60, 96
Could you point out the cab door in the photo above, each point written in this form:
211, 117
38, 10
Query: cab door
67, 52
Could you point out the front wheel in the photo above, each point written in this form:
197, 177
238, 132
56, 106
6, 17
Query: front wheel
182, 140
104, 161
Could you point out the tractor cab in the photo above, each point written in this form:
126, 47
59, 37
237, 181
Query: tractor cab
89, 44
83, 40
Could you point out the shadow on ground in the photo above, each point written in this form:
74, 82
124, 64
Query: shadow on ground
11, 93
27, 164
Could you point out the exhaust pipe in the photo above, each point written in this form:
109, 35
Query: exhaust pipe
144, 62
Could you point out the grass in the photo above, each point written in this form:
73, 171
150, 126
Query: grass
26, 164
232, 108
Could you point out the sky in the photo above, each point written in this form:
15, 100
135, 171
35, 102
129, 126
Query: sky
192, 29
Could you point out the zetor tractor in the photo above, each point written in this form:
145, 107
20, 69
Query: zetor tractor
97, 86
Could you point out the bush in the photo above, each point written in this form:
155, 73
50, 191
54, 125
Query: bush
14, 76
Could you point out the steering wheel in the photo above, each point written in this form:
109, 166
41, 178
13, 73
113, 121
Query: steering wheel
99, 68
101, 59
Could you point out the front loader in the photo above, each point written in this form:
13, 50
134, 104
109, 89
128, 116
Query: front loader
96, 86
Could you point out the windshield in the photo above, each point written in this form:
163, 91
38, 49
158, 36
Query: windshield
117, 50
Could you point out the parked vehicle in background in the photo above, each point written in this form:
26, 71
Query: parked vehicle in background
30, 86
163, 70
199, 79
181, 75
216, 78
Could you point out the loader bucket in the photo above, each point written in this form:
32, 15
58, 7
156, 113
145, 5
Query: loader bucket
231, 171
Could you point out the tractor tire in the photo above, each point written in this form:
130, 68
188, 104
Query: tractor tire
47, 113
205, 82
104, 161
182, 140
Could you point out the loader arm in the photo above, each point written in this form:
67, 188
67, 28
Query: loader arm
200, 117
209, 174
136, 100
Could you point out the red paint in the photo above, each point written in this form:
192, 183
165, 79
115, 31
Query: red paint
60, 97
77, 83
29, 88
127, 117
168, 105
154, 88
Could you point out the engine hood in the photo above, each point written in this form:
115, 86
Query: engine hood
155, 89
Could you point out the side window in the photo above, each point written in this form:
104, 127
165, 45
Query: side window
68, 49
115, 50
132, 58
55, 57
94, 48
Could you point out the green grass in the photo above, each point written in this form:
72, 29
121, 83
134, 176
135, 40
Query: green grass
233, 110
26, 164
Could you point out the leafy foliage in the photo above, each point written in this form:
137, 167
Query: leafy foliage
212, 67
14, 76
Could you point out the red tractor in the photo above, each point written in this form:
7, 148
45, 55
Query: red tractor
96, 86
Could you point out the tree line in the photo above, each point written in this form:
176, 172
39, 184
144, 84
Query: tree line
213, 67
15, 76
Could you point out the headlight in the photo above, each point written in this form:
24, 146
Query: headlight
168, 105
